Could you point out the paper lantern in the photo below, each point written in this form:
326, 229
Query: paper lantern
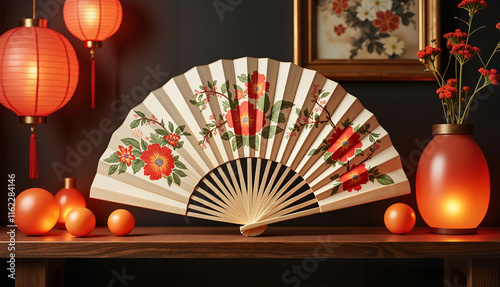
92, 21
453, 181
38, 75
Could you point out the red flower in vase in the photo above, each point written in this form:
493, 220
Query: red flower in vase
245, 119
449, 90
159, 161
256, 86
125, 155
386, 21
356, 177
345, 145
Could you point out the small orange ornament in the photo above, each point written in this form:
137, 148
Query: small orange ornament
399, 218
36, 211
121, 222
68, 198
80, 221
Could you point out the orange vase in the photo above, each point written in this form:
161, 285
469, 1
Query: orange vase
453, 181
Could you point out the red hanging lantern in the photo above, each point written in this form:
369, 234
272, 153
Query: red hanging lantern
38, 75
92, 21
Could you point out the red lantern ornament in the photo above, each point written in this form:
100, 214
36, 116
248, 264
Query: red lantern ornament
92, 21
38, 75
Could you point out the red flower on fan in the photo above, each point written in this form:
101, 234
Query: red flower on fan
245, 119
126, 155
356, 177
345, 145
159, 161
386, 21
256, 86
239, 95
172, 139
340, 5
335, 135
339, 29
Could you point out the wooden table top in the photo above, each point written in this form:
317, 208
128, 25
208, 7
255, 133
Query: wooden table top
276, 242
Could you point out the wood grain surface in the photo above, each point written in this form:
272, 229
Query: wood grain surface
276, 242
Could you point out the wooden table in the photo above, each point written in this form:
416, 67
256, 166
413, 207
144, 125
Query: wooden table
477, 256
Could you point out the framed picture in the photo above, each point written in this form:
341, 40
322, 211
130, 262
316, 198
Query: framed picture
365, 39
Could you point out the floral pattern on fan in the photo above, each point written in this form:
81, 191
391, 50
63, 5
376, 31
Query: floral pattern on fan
342, 146
247, 122
153, 154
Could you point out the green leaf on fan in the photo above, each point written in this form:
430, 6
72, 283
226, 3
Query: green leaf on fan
180, 144
306, 113
171, 126
137, 164
269, 132
225, 136
169, 180
162, 132
243, 78
134, 124
285, 105
122, 167
113, 158
224, 86
131, 142
179, 164
163, 142
281, 118
274, 116
298, 111
313, 152
384, 179
177, 179
136, 153
264, 104
335, 189
239, 141
154, 138
180, 173
327, 156
246, 140
324, 95
334, 177
359, 152
112, 169
225, 106
193, 102
140, 114
254, 142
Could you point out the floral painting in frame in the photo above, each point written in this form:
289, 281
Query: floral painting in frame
364, 39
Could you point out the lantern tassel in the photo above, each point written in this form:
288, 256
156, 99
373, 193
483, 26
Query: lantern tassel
33, 155
93, 82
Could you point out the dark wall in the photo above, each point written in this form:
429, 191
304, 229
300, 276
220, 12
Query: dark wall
167, 38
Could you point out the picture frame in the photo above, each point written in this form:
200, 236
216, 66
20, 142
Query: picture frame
351, 69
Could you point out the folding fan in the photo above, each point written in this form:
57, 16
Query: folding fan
250, 142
